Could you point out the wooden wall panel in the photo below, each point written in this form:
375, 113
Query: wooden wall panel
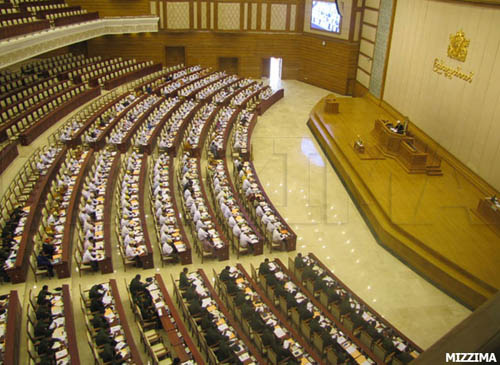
331, 66
304, 57
114, 7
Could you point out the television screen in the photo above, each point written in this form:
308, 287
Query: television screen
325, 16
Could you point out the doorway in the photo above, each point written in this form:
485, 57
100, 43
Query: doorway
175, 56
229, 64
275, 72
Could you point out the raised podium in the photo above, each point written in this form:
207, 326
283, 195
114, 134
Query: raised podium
400, 146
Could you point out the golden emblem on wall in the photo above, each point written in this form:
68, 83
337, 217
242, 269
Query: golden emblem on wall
458, 46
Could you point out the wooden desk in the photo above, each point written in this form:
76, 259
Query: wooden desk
258, 248
130, 76
63, 268
209, 97
70, 325
329, 315
18, 272
380, 318
149, 147
196, 152
7, 155
490, 212
186, 256
179, 134
13, 329
283, 321
136, 358
106, 265
77, 138
170, 328
158, 90
101, 140
147, 260
245, 154
291, 240
123, 147
30, 134
269, 102
389, 141
141, 87
230, 319
223, 252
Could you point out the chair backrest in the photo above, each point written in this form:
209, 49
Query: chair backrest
272, 356
305, 330
323, 298
366, 339
295, 317
348, 323
335, 310
283, 305
331, 356
379, 351
318, 342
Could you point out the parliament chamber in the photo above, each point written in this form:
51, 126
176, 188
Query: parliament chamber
238, 182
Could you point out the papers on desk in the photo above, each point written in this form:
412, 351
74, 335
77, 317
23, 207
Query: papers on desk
278, 331
206, 302
61, 354
244, 357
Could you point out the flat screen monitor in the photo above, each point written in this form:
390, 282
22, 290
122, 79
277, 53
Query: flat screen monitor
325, 16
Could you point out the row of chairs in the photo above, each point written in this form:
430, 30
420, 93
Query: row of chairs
50, 204
214, 88
201, 83
118, 217
166, 162
82, 116
36, 8
194, 326
43, 108
94, 66
18, 21
65, 14
46, 64
228, 231
24, 89
151, 339
157, 76
168, 87
188, 219
120, 70
334, 309
292, 315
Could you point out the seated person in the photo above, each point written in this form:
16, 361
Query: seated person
96, 291
183, 279
224, 353
213, 337
96, 305
42, 296
136, 286
43, 262
264, 267
225, 274
99, 322
299, 261
103, 338
387, 343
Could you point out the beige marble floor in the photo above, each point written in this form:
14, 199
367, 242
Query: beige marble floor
305, 188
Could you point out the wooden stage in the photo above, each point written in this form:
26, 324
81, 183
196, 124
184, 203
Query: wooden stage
429, 222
